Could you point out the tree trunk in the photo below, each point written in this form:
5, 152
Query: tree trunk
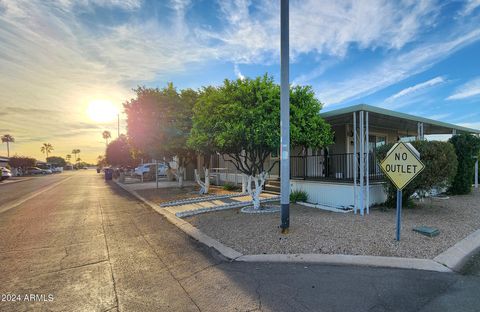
244, 183
204, 186
179, 175
259, 181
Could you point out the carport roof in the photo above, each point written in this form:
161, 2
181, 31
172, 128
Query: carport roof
393, 119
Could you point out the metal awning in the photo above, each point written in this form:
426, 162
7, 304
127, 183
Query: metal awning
388, 119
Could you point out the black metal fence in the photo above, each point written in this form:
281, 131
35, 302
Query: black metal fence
332, 167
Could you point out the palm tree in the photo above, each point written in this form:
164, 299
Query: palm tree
68, 157
76, 152
7, 138
106, 135
47, 148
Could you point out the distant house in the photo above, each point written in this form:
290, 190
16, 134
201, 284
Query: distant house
328, 175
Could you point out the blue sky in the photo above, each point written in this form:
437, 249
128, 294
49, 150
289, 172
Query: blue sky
418, 57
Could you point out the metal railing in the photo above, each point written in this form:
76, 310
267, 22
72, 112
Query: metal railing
331, 167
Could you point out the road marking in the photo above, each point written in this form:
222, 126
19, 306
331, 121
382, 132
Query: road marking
21, 201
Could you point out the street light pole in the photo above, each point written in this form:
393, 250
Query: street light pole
284, 118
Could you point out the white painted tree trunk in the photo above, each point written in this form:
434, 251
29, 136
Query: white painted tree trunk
244, 183
179, 175
204, 186
259, 181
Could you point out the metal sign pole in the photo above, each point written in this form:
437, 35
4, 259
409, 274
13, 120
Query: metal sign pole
399, 212
156, 169
284, 118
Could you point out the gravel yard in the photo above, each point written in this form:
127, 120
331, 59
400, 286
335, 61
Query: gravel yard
316, 231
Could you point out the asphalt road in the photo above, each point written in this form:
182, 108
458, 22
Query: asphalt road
85, 245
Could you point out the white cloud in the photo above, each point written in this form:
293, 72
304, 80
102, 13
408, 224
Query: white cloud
469, 7
420, 86
237, 72
393, 69
469, 89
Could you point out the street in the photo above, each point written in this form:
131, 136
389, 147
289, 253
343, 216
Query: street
86, 245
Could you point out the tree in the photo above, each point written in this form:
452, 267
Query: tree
7, 138
101, 161
241, 121
75, 152
159, 123
57, 161
106, 135
202, 138
467, 147
47, 148
68, 157
434, 155
118, 152
22, 162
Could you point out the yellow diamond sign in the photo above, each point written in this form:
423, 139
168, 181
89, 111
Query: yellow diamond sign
402, 164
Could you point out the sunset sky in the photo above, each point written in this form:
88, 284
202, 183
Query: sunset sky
59, 57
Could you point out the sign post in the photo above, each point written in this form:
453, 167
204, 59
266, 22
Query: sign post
401, 165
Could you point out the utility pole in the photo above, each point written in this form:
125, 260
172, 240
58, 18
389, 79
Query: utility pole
284, 118
118, 125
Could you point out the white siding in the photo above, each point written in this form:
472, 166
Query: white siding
336, 194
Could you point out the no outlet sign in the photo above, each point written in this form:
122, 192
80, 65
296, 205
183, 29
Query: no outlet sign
402, 164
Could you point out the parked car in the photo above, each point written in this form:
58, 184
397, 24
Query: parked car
6, 173
145, 168
57, 169
36, 170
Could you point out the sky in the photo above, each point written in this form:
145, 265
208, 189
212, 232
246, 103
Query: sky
59, 56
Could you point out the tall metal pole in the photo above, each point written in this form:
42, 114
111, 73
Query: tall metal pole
476, 173
367, 169
118, 125
355, 170
284, 118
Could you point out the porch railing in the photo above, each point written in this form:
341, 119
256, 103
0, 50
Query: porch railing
332, 167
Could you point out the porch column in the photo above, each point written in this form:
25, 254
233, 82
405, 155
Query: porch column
355, 162
476, 173
367, 163
420, 133
362, 162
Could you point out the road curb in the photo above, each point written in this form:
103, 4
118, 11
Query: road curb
458, 255
371, 261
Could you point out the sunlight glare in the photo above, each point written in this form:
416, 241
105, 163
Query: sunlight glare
102, 111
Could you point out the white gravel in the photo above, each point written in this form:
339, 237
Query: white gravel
317, 231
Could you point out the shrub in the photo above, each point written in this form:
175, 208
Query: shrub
229, 187
298, 196
466, 147
440, 167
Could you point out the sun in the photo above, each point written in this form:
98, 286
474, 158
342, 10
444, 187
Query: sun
102, 111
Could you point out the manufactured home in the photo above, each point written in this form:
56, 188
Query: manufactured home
328, 175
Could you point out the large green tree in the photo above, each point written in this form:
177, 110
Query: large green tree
159, 123
467, 147
119, 153
241, 120
57, 161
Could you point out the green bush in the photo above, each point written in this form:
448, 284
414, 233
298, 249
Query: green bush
298, 196
229, 187
466, 147
440, 167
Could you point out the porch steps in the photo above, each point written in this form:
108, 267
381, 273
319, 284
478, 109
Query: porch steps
272, 187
